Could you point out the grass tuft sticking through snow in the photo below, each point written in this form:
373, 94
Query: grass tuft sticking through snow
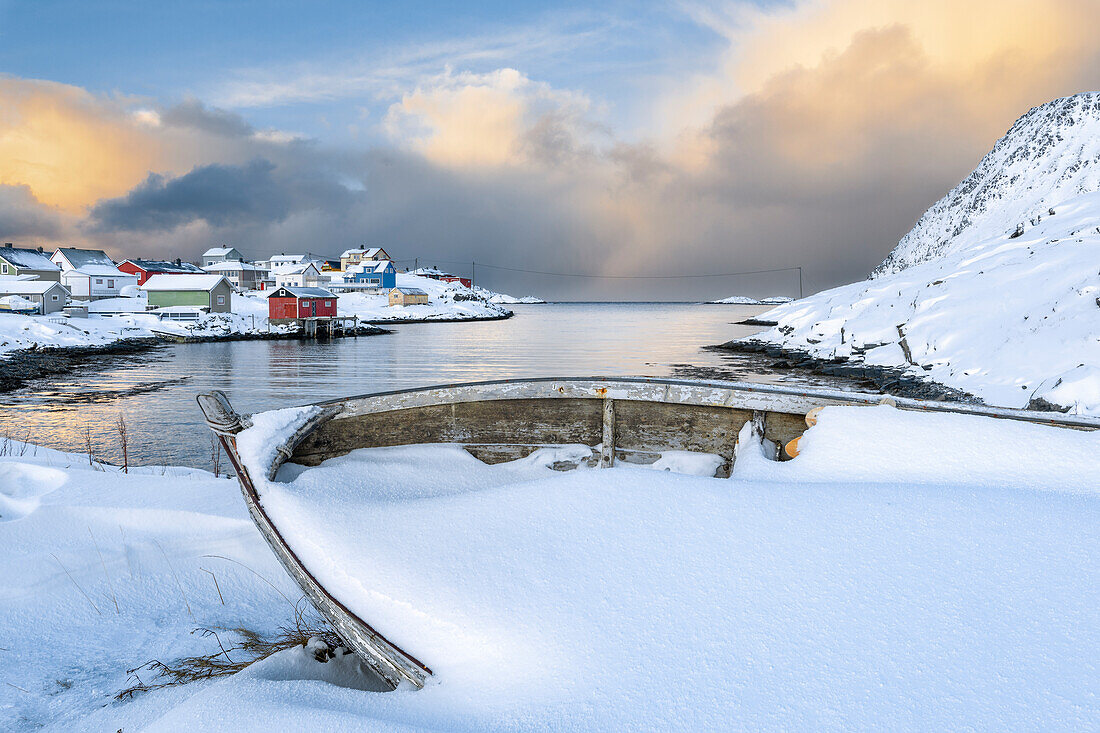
250, 647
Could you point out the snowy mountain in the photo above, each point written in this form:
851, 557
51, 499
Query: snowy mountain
996, 290
1051, 154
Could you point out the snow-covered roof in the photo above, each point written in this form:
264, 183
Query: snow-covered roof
28, 287
30, 259
291, 269
98, 270
370, 266
366, 252
410, 291
231, 266
165, 266
218, 251
305, 292
182, 282
80, 258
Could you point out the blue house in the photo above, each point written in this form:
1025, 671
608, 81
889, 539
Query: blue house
372, 273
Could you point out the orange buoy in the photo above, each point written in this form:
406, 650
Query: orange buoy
791, 449
811, 416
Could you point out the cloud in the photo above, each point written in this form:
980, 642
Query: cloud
258, 192
817, 139
493, 119
67, 145
22, 216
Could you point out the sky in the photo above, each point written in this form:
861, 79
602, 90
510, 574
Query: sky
618, 139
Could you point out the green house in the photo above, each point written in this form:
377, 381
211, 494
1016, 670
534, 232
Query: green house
212, 292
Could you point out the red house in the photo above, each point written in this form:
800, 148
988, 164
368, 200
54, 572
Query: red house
293, 302
456, 279
145, 269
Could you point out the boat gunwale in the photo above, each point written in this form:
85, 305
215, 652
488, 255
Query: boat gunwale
805, 397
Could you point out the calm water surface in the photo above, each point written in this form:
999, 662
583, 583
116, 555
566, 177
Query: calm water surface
155, 392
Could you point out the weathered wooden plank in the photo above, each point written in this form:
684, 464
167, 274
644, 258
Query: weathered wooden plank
560, 421
607, 444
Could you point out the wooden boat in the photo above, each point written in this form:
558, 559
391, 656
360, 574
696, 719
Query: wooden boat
624, 419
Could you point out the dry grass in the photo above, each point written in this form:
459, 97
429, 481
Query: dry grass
246, 647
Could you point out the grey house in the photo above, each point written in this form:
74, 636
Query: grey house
50, 296
20, 262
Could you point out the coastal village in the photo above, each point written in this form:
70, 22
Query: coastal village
73, 296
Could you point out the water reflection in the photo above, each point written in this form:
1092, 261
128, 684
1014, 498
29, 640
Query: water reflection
156, 392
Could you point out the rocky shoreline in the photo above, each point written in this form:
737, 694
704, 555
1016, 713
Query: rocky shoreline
884, 379
449, 319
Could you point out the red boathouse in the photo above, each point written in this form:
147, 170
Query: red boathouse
285, 303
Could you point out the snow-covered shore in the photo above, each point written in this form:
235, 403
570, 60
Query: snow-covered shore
996, 290
884, 578
447, 302
746, 300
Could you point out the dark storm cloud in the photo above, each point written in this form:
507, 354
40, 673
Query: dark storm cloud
22, 216
222, 196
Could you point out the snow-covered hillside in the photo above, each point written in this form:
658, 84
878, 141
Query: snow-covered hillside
1051, 154
996, 290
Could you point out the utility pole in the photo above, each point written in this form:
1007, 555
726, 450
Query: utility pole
416, 263
800, 283
473, 275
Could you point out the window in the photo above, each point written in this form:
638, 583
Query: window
3, 269
53, 297
305, 303
110, 283
328, 303
221, 300
99, 281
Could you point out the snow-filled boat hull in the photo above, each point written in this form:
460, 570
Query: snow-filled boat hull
623, 419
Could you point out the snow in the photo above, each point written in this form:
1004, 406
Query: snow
899, 573
183, 282
128, 318
27, 259
446, 301
17, 303
886, 577
966, 301
505, 299
745, 300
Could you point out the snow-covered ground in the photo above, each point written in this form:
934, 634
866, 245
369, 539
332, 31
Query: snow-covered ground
447, 301
888, 577
505, 299
127, 318
996, 290
745, 300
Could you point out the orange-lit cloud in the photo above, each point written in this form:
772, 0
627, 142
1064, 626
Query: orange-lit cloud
490, 119
817, 138
68, 146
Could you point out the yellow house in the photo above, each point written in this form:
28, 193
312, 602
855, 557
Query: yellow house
408, 296
355, 256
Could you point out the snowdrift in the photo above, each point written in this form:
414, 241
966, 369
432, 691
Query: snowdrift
828, 592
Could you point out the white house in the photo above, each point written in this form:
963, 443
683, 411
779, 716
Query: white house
217, 255
283, 259
48, 295
90, 273
354, 256
302, 276
241, 275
